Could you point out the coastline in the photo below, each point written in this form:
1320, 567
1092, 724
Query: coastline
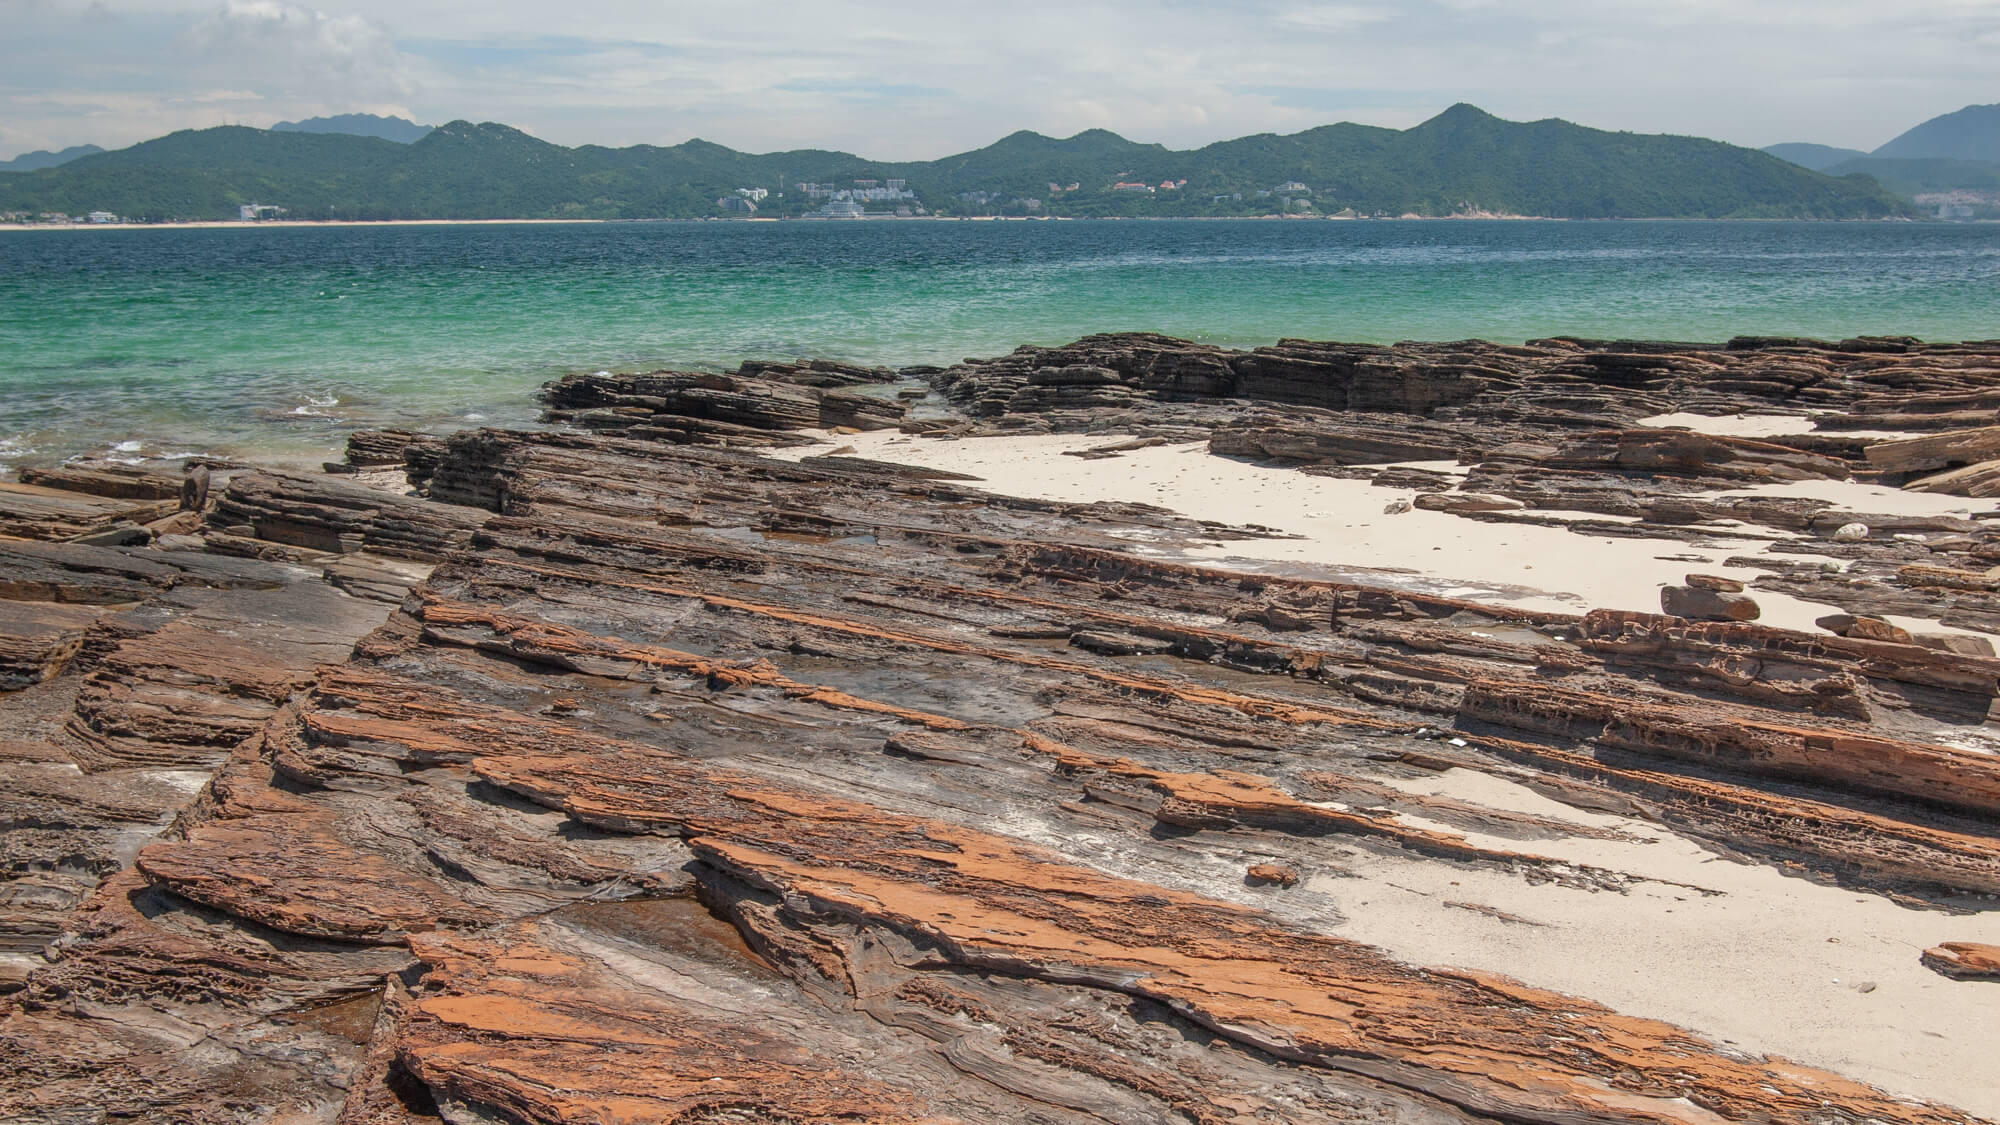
231, 224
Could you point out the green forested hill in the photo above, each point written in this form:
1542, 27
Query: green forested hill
1918, 175
1463, 160
1972, 133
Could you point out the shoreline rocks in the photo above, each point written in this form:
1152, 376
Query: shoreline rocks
622, 765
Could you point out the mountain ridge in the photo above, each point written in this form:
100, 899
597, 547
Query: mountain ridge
1817, 157
43, 158
1972, 133
1462, 161
398, 129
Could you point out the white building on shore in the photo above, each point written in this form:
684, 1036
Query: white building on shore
839, 209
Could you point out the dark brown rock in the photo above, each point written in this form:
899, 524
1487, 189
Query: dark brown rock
1698, 603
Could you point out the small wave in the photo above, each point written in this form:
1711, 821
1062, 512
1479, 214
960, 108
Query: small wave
475, 417
315, 405
128, 447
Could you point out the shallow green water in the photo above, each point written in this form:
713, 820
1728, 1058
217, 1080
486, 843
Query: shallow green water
281, 339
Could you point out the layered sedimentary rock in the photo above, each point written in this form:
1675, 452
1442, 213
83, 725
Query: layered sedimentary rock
696, 785
748, 408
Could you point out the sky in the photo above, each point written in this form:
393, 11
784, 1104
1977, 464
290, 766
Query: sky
919, 81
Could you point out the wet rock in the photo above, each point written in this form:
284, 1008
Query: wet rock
722, 408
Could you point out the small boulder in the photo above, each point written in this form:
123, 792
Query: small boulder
1466, 503
1876, 629
1271, 874
1863, 628
1697, 604
1851, 532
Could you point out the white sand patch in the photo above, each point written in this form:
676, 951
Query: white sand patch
1733, 425
1342, 524
1854, 496
1773, 964
1762, 426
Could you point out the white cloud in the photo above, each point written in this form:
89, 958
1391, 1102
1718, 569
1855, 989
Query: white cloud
1331, 17
913, 82
286, 47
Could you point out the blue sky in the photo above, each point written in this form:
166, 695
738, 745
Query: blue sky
914, 81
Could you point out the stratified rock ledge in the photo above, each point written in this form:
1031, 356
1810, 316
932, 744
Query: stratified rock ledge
619, 772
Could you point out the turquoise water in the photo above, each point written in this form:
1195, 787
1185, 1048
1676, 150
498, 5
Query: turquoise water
263, 340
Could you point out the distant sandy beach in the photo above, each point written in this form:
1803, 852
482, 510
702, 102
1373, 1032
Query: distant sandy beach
226, 224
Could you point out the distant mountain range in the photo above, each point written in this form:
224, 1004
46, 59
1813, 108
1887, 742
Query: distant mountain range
398, 129
1956, 155
1817, 157
1462, 162
42, 158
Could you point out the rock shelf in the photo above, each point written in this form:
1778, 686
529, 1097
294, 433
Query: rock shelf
623, 771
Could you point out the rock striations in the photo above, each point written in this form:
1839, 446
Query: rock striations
620, 772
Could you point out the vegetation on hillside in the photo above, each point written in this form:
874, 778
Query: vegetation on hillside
1972, 133
399, 129
1463, 161
1921, 176
43, 158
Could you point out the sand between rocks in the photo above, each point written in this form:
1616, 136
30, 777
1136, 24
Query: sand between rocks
1341, 525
